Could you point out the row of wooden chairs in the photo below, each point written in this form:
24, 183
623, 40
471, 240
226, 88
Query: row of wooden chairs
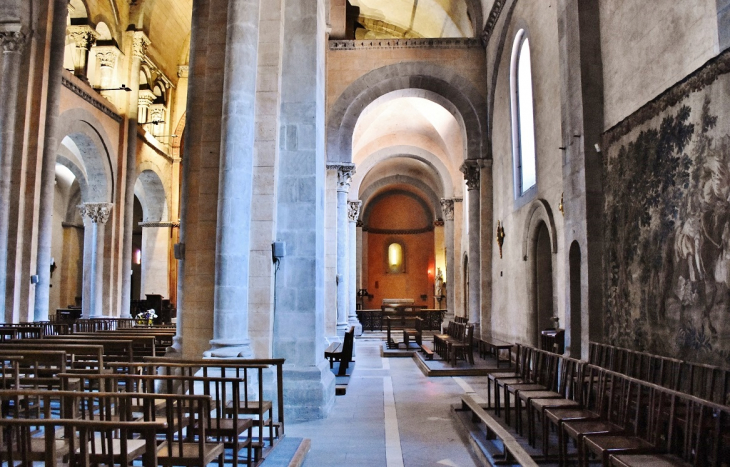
456, 343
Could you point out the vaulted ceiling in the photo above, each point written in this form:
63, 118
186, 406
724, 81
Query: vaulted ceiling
413, 18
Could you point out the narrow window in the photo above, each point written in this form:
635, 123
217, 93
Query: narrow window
395, 257
523, 123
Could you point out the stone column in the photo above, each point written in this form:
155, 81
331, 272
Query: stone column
232, 254
352, 214
487, 236
48, 169
144, 101
471, 175
12, 40
106, 57
97, 215
309, 386
344, 178
84, 36
140, 42
447, 206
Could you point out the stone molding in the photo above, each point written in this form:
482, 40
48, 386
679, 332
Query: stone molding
84, 36
697, 80
494, 14
140, 42
353, 211
91, 100
183, 71
107, 55
169, 224
146, 98
470, 169
98, 213
439, 43
375, 230
345, 172
447, 207
13, 41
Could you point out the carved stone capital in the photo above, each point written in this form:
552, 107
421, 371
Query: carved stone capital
140, 42
146, 98
344, 175
107, 56
83, 35
470, 169
157, 113
183, 71
447, 207
13, 41
353, 211
98, 213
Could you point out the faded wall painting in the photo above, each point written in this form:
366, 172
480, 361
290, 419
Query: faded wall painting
667, 222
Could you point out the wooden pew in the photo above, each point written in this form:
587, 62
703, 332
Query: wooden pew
81, 357
341, 352
38, 368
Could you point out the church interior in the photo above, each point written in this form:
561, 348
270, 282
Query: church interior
529, 200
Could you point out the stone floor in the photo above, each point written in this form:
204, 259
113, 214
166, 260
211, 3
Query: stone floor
391, 416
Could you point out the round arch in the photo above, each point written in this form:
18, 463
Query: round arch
152, 194
427, 157
540, 211
443, 82
93, 152
371, 193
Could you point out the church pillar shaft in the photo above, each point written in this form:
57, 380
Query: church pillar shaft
352, 215
447, 206
230, 328
97, 215
13, 42
487, 236
344, 177
139, 50
48, 169
471, 174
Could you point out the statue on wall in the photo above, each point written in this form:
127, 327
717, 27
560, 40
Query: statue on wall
439, 283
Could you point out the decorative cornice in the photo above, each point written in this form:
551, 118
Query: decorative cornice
345, 171
439, 43
174, 225
83, 35
470, 169
497, 7
140, 42
183, 71
697, 80
13, 41
91, 100
146, 98
447, 207
98, 213
374, 230
353, 211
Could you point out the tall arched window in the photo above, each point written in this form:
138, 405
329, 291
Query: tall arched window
523, 122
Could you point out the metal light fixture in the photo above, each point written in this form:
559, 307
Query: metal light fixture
123, 87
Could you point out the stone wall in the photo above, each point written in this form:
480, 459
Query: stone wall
667, 222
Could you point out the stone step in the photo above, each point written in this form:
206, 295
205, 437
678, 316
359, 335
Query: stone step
289, 452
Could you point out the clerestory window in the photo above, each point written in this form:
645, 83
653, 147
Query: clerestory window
523, 122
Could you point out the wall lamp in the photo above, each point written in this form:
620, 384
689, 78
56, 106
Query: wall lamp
123, 87
500, 237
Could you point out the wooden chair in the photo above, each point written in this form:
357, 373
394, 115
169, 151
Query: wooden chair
543, 377
462, 349
414, 333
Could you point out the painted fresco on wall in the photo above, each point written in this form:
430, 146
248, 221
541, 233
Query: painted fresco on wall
667, 224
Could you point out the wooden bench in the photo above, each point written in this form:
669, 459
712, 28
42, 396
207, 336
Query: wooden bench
495, 347
427, 351
341, 352
416, 333
513, 451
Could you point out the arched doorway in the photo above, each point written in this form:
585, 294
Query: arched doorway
543, 279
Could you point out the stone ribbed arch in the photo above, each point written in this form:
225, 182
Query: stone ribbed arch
93, 143
372, 192
367, 210
428, 158
444, 82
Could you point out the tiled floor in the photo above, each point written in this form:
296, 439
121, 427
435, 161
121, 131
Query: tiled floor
391, 416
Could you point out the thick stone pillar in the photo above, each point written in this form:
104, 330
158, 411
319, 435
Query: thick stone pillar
48, 170
471, 175
140, 42
309, 385
447, 207
344, 178
232, 255
353, 212
488, 239
84, 36
12, 40
95, 216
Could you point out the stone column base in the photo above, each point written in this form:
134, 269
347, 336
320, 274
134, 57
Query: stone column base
358, 326
309, 392
229, 349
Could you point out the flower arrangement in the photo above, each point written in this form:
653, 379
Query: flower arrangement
146, 316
